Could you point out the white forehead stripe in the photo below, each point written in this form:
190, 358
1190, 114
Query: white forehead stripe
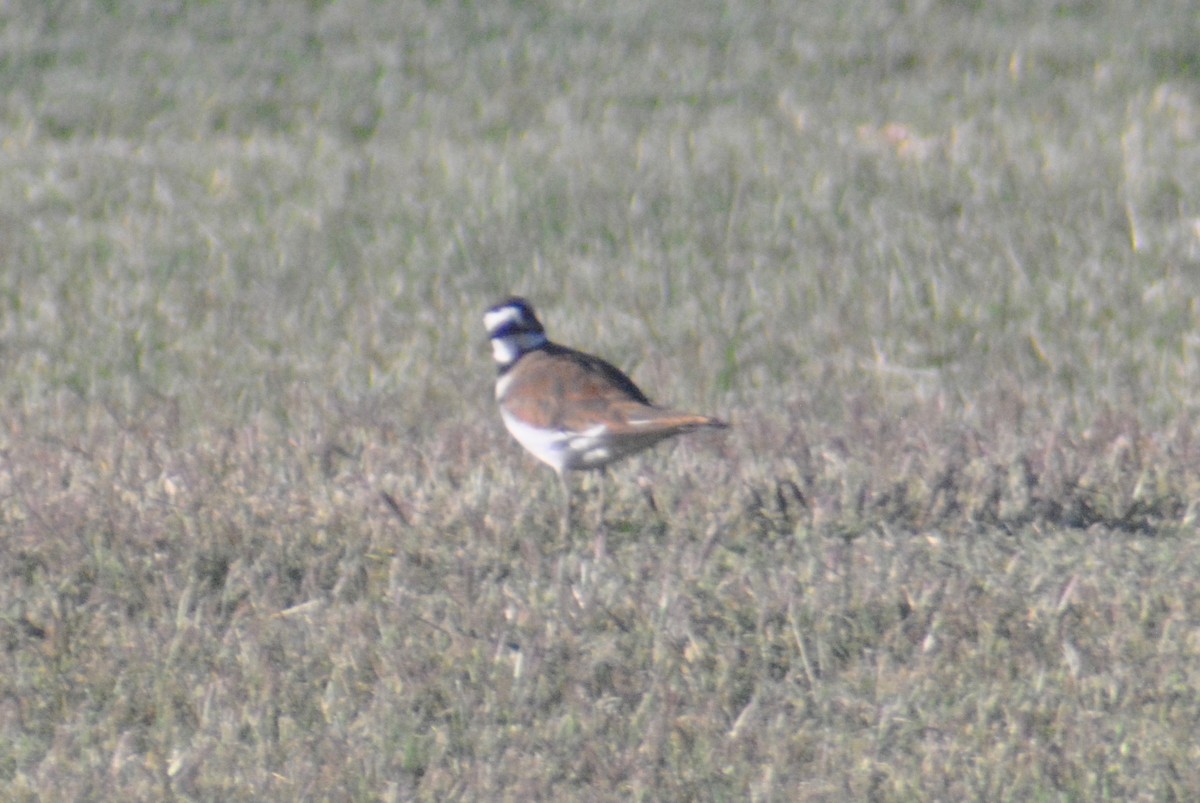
494, 319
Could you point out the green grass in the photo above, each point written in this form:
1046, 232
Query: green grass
937, 261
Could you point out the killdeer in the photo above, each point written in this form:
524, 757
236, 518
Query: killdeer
571, 410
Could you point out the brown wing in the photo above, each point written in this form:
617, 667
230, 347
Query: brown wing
568, 390
594, 376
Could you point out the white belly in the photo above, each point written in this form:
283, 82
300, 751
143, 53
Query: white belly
563, 451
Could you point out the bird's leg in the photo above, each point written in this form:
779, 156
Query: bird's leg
647, 489
565, 522
599, 543
601, 477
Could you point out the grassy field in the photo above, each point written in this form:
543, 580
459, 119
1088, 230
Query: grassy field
263, 536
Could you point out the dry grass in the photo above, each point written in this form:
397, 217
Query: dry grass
904, 614
263, 537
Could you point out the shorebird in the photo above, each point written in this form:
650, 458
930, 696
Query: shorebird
571, 410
